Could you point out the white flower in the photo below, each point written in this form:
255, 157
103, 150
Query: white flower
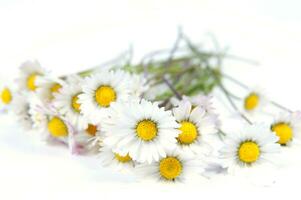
47, 87
67, 102
141, 129
30, 72
287, 126
137, 84
254, 101
254, 144
100, 91
109, 158
173, 167
196, 127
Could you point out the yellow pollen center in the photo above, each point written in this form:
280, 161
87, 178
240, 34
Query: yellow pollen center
57, 127
104, 95
123, 159
6, 96
188, 133
55, 88
146, 130
31, 85
251, 101
170, 168
284, 132
91, 130
75, 104
248, 152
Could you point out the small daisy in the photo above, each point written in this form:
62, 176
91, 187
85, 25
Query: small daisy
196, 126
173, 167
101, 90
252, 145
287, 127
137, 85
47, 87
254, 101
67, 102
6, 97
111, 159
30, 71
141, 129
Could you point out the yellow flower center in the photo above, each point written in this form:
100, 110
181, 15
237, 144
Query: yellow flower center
6, 96
55, 89
104, 95
251, 101
31, 85
146, 130
170, 168
248, 152
91, 130
57, 127
123, 159
188, 133
284, 132
75, 104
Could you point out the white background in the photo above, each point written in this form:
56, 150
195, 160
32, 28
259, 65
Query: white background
73, 35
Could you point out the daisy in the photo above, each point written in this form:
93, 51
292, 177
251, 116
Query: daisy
141, 129
196, 126
254, 101
67, 102
6, 97
47, 87
137, 84
254, 144
173, 167
101, 90
287, 127
109, 158
30, 71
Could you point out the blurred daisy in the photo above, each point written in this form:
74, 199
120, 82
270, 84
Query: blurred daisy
254, 101
6, 97
137, 84
30, 72
252, 145
287, 127
173, 167
100, 91
111, 159
47, 87
141, 129
67, 102
196, 126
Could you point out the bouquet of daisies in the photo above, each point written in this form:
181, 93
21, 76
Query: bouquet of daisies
155, 118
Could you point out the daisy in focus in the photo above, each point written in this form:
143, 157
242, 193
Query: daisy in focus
173, 167
287, 127
142, 130
30, 72
195, 127
254, 144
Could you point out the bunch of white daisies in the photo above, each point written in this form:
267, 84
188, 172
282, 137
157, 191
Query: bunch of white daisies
112, 112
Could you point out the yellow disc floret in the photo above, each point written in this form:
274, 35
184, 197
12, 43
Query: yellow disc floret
55, 88
75, 105
188, 133
248, 152
91, 130
105, 95
284, 132
146, 130
123, 159
31, 82
252, 101
170, 168
6, 96
57, 127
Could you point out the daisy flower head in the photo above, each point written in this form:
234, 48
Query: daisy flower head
254, 144
195, 127
255, 100
141, 129
47, 87
173, 167
109, 158
30, 72
101, 90
67, 103
6, 97
137, 84
287, 126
